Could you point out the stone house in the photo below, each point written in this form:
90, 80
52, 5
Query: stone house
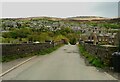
97, 36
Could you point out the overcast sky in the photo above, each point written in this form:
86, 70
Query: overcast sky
59, 9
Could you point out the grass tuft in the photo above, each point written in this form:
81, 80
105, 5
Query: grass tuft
92, 59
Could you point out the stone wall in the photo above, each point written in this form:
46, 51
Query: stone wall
9, 50
104, 53
117, 39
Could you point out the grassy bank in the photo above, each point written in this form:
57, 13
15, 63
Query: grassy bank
49, 50
92, 59
42, 52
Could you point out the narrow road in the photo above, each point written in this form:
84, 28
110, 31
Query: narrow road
62, 64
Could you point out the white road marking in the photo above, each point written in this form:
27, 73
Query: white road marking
16, 66
110, 75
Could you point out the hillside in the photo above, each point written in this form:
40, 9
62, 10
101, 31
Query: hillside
87, 18
53, 22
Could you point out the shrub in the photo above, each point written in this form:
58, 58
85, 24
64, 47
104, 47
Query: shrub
73, 41
98, 63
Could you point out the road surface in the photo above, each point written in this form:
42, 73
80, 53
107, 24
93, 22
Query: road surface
62, 64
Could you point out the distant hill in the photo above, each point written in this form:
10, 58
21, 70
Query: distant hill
29, 18
87, 17
77, 18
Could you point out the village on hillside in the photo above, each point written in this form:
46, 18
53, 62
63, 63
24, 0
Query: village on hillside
97, 38
100, 30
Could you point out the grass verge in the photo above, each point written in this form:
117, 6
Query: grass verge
92, 59
49, 50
